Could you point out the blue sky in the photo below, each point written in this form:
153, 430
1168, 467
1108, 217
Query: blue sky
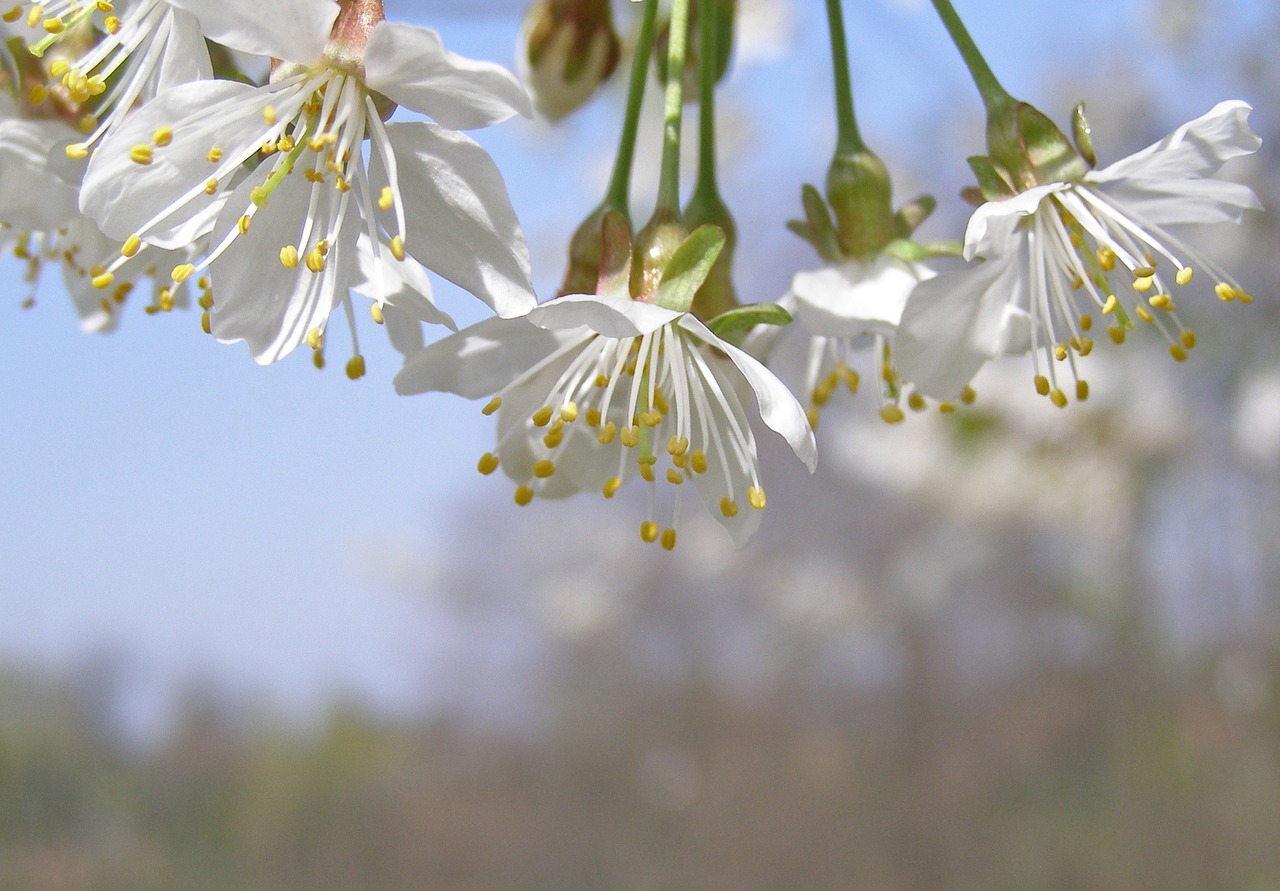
163, 495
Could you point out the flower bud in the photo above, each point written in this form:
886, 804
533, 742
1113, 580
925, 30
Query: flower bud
585, 251
861, 199
655, 245
567, 49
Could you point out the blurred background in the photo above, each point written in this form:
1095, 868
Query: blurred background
267, 629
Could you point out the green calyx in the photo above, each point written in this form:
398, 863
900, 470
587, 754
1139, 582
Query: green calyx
729, 324
1026, 149
665, 266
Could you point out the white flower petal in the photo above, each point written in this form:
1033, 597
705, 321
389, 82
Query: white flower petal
410, 65
402, 287
779, 408
1180, 202
993, 226
852, 298
610, 316
31, 196
122, 196
185, 57
459, 220
292, 30
957, 321
711, 485
256, 298
478, 360
1197, 149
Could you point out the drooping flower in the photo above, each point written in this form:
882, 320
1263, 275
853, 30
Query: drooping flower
1062, 256
283, 249
594, 388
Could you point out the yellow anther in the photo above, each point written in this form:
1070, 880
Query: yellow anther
851, 380
12, 15
946, 408
385, 201
755, 495
103, 280
182, 272
1184, 275
286, 144
1144, 313
544, 469
355, 367
593, 417
1178, 353
104, 6
54, 25
289, 257
821, 394
1225, 292
611, 486
601, 381
728, 506
141, 154
812, 416
214, 155
243, 224
375, 310
681, 461
1188, 339
162, 136
651, 418
630, 436
1161, 301
77, 150
916, 402
493, 405
1144, 271
1077, 283
1058, 398
397, 247
1117, 334
677, 445
669, 539
649, 531
1082, 391
1086, 322
674, 477
211, 186
33, 15
542, 417
554, 437
315, 260
269, 114
1060, 352
205, 324
166, 298
1106, 259
111, 23
569, 412
1042, 385
968, 395
1085, 346
892, 414
206, 300
646, 471
660, 401
1110, 306
607, 433
315, 338
38, 94
698, 461
523, 495
131, 246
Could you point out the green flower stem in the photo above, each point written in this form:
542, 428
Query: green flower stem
669, 183
848, 139
618, 195
994, 96
707, 21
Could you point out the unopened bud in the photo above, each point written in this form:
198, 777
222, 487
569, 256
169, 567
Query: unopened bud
567, 48
655, 245
861, 199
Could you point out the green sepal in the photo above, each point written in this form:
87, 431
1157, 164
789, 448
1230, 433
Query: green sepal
1082, 133
742, 318
993, 181
905, 250
801, 228
934, 249
912, 214
615, 255
688, 268
822, 231
1030, 146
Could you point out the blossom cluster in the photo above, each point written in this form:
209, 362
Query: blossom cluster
134, 152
